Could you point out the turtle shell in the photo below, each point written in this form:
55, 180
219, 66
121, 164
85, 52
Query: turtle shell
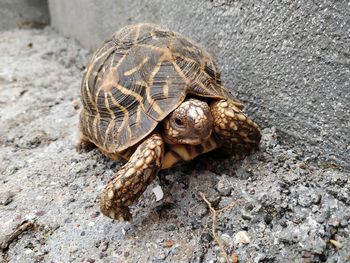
136, 78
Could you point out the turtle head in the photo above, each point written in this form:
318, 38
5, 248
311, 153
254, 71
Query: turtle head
190, 123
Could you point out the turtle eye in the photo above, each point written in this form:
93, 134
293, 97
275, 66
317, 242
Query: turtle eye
179, 122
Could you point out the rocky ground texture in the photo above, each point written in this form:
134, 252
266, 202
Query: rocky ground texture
271, 207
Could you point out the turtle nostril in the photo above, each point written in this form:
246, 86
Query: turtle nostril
199, 127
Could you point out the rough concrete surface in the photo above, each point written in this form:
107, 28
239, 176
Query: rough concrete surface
289, 61
279, 208
23, 13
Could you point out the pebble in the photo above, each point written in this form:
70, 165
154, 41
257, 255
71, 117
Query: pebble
40, 213
315, 198
226, 239
168, 243
305, 200
6, 198
334, 222
246, 216
102, 255
75, 104
222, 260
344, 223
268, 218
28, 251
242, 238
171, 227
223, 186
335, 243
201, 211
162, 255
158, 192
160, 240
95, 214
283, 222
206, 237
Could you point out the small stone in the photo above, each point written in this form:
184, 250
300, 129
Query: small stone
302, 165
168, 243
242, 238
126, 254
283, 223
91, 224
90, 260
196, 224
334, 222
234, 257
206, 237
268, 218
171, 227
335, 243
344, 223
28, 251
160, 240
95, 214
105, 246
305, 200
306, 254
223, 186
226, 239
75, 104
6, 198
161, 255
246, 216
40, 213
314, 209
222, 260
73, 249
315, 198
71, 200
102, 255
158, 192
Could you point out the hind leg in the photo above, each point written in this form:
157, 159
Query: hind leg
84, 144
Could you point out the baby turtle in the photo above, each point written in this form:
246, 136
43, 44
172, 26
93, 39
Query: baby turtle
154, 98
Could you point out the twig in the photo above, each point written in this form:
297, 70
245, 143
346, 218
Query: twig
25, 226
214, 213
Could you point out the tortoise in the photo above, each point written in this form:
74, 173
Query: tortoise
154, 98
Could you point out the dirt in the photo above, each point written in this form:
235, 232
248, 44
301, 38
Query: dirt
279, 207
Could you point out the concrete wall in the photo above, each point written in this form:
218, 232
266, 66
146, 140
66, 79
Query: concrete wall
289, 61
23, 13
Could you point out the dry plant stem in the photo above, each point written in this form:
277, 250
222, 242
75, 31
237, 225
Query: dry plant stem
214, 213
16, 233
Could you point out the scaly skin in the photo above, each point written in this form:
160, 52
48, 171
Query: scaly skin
233, 126
132, 179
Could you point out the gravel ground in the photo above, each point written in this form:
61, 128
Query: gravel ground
278, 207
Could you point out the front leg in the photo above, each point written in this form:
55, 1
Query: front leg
233, 126
132, 179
